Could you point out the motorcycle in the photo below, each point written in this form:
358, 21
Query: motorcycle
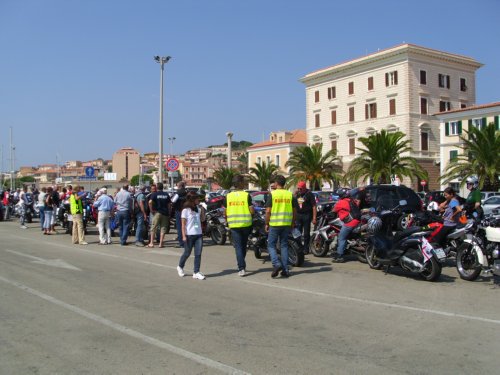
257, 241
408, 249
480, 252
214, 226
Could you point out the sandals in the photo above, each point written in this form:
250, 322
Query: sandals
150, 246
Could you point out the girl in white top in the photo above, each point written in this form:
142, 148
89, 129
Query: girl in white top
191, 235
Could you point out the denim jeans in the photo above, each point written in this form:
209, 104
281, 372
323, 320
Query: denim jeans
195, 241
42, 216
123, 218
240, 239
281, 234
344, 234
49, 214
139, 227
303, 222
178, 226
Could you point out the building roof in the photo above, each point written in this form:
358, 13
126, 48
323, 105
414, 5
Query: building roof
298, 136
405, 47
471, 108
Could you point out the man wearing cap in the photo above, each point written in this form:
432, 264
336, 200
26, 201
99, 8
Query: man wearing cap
104, 204
239, 211
306, 213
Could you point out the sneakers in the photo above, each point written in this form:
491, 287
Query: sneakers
276, 271
199, 276
139, 244
24, 227
242, 273
84, 243
180, 271
285, 274
338, 259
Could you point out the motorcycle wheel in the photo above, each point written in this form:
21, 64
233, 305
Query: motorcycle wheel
29, 219
468, 265
257, 252
318, 246
295, 254
371, 258
403, 222
218, 235
432, 270
361, 257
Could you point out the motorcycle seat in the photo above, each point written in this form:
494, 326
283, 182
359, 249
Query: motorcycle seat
406, 233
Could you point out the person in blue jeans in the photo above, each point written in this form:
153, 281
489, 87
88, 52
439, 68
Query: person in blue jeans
191, 235
178, 201
280, 219
123, 201
141, 216
41, 206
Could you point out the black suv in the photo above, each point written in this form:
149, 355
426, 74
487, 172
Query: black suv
389, 196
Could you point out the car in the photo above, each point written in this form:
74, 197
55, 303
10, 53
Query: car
259, 198
487, 194
436, 195
388, 197
323, 196
490, 204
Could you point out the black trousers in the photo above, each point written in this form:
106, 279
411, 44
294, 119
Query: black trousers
303, 222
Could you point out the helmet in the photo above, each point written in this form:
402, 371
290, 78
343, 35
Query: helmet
343, 192
374, 224
472, 180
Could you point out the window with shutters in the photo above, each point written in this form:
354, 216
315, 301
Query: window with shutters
351, 88
391, 78
268, 159
423, 77
479, 123
370, 83
351, 114
453, 128
463, 84
277, 160
453, 155
316, 96
316, 120
423, 106
424, 141
371, 110
392, 107
463, 105
334, 145
259, 160
332, 92
352, 146
444, 80
334, 117
444, 106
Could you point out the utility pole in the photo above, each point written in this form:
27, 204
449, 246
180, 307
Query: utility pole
12, 148
1, 167
229, 151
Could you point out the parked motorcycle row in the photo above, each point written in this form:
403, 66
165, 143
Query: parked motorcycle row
475, 246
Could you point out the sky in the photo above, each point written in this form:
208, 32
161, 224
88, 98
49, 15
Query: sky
78, 80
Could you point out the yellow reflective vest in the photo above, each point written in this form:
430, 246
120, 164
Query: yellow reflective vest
237, 211
281, 209
76, 206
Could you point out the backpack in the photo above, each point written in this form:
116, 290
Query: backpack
355, 212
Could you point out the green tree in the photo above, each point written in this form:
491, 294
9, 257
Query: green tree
479, 157
243, 159
224, 177
382, 158
261, 174
134, 181
307, 163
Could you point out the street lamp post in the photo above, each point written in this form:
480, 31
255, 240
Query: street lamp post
161, 60
229, 150
171, 139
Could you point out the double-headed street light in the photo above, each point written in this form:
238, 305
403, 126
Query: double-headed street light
161, 60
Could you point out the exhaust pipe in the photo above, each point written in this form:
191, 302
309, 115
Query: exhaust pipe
411, 264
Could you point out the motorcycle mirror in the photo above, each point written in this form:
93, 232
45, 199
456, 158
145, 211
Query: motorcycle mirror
403, 202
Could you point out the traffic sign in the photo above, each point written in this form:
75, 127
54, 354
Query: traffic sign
172, 164
423, 182
173, 174
89, 171
87, 178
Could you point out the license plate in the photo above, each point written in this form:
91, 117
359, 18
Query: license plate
440, 253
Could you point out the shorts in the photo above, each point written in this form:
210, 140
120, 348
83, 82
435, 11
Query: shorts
160, 220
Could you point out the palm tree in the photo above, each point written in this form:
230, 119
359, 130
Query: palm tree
307, 163
261, 174
224, 177
382, 159
481, 148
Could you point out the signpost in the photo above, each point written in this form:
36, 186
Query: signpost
89, 176
423, 183
172, 165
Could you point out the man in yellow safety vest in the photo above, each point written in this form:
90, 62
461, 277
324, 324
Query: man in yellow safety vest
239, 211
76, 209
280, 219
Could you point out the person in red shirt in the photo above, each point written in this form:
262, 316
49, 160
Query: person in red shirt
349, 212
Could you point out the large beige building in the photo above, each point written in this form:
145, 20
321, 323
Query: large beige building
397, 89
126, 163
277, 149
456, 123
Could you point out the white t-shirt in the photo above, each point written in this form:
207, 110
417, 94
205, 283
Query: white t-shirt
193, 222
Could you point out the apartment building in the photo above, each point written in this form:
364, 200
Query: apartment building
277, 149
397, 89
456, 123
126, 163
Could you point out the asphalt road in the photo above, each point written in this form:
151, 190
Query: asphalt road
71, 309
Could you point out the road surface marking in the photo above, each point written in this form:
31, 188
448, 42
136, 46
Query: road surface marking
47, 262
128, 331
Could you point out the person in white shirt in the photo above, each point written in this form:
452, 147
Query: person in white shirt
192, 235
